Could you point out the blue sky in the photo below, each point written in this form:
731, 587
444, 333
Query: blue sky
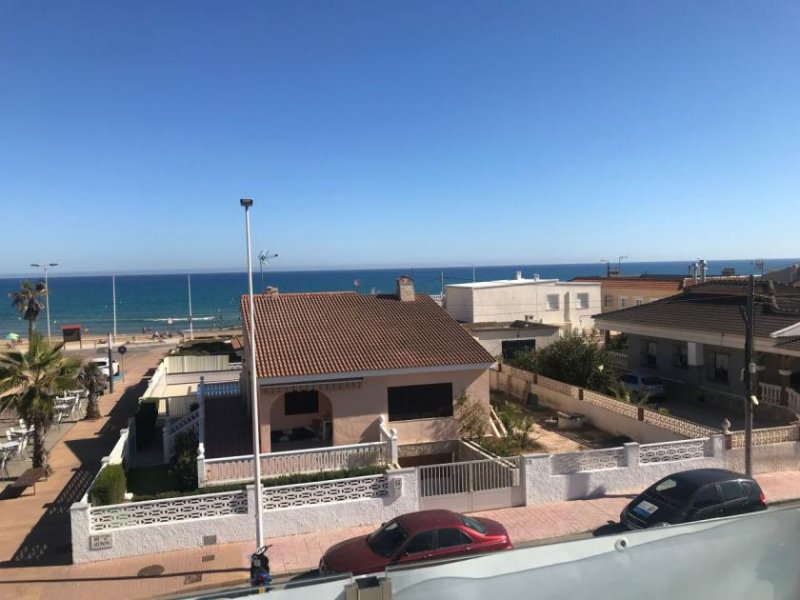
395, 133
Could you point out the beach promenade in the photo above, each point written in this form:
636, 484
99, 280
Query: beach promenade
35, 536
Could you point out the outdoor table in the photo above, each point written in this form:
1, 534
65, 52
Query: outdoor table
9, 447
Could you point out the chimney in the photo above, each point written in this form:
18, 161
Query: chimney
271, 291
703, 269
519, 274
405, 289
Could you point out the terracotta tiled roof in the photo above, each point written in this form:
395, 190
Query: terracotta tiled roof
346, 332
716, 307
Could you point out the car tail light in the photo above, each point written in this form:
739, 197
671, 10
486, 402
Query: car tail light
762, 498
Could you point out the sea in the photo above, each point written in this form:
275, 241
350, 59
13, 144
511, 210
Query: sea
151, 303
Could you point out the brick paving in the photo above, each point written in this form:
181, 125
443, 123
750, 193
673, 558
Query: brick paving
34, 530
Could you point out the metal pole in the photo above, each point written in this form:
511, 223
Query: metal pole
749, 378
247, 203
110, 368
47, 302
114, 303
191, 330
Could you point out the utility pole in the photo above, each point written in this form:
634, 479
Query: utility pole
443, 284
110, 366
749, 377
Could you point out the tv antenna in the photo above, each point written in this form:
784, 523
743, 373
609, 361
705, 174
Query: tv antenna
264, 257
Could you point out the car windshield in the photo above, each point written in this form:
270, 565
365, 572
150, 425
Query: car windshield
386, 540
472, 524
651, 381
673, 492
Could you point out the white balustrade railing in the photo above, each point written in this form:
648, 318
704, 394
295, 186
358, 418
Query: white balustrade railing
389, 437
194, 421
156, 512
334, 458
794, 399
617, 359
220, 389
119, 453
770, 393
679, 450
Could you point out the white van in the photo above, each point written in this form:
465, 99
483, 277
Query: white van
102, 364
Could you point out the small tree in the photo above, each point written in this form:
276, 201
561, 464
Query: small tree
26, 302
183, 464
473, 418
93, 381
570, 359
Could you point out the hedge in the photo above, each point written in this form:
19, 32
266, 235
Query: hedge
146, 422
109, 487
271, 482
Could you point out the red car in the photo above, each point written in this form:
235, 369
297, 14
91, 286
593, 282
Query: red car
425, 535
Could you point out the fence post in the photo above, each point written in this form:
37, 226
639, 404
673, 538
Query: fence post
393, 447
631, 454
201, 465
80, 526
201, 426
640, 413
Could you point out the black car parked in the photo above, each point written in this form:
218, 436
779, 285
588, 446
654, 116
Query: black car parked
694, 496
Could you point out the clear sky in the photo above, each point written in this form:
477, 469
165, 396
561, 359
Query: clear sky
396, 132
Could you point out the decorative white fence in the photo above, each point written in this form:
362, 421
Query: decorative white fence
471, 476
335, 490
770, 393
672, 451
232, 469
591, 460
678, 425
766, 436
158, 512
176, 407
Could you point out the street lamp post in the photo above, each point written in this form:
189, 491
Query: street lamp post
247, 203
45, 265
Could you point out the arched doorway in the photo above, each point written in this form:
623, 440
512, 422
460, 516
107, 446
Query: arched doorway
301, 419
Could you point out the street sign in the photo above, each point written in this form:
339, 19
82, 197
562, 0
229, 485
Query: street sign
122, 349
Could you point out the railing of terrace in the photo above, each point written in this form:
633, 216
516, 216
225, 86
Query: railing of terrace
334, 458
770, 393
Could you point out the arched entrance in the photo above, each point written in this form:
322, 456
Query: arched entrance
301, 419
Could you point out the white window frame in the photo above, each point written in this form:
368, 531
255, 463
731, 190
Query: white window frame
638, 301
623, 302
553, 305
608, 300
583, 300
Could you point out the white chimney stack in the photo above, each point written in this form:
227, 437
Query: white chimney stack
519, 274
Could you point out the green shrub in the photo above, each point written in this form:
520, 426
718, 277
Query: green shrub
109, 487
145, 420
270, 482
183, 463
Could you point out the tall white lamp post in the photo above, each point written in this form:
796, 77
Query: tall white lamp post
247, 203
45, 265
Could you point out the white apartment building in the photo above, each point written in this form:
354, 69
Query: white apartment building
512, 308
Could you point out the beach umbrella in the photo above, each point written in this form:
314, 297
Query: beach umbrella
12, 337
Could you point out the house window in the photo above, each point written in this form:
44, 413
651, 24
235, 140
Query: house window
552, 301
680, 356
719, 372
420, 401
638, 301
301, 403
623, 302
608, 301
650, 354
513, 347
583, 300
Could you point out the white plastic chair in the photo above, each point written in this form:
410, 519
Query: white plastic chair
3, 461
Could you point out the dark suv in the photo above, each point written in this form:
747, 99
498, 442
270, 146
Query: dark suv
694, 496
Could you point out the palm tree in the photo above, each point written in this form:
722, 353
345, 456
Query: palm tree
29, 382
94, 381
26, 301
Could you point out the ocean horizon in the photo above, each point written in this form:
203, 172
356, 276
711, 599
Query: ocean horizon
160, 302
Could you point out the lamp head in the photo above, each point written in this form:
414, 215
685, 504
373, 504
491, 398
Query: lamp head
246, 202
